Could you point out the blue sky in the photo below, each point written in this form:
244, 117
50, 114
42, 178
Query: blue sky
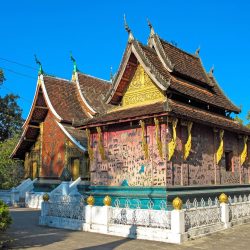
94, 32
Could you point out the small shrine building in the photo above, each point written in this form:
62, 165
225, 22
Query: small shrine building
50, 142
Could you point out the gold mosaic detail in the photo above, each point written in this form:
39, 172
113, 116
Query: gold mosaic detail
158, 136
107, 201
220, 150
91, 200
223, 198
243, 154
141, 90
188, 144
172, 143
177, 203
144, 140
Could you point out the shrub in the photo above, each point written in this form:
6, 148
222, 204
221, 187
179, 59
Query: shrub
5, 218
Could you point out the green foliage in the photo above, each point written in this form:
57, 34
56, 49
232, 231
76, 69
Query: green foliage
5, 218
11, 171
238, 119
10, 116
1, 77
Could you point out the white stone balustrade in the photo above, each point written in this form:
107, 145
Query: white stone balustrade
195, 219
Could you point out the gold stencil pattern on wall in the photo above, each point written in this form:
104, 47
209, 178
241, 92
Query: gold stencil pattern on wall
141, 90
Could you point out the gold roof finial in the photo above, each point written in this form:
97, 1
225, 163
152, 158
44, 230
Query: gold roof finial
130, 35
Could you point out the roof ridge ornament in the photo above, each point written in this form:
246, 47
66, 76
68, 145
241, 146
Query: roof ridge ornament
111, 74
75, 69
40, 71
152, 31
197, 52
211, 71
130, 35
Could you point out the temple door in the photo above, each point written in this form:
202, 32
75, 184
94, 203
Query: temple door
75, 166
34, 169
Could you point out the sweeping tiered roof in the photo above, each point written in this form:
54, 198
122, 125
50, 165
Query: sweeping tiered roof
69, 104
190, 91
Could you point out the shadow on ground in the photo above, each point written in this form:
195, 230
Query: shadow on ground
25, 232
110, 245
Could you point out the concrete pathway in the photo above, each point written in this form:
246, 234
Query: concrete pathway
28, 235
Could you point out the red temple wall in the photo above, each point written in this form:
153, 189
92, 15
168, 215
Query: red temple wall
198, 169
125, 163
53, 148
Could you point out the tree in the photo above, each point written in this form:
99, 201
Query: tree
5, 219
248, 119
11, 171
10, 114
1, 77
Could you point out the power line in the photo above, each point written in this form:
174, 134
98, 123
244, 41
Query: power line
17, 63
3, 86
17, 73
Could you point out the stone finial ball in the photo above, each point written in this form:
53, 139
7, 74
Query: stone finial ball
107, 201
223, 198
177, 203
91, 200
46, 197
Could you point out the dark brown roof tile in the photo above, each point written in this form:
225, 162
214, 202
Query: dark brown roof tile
64, 98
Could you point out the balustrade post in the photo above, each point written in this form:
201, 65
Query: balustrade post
178, 234
225, 214
224, 208
105, 220
44, 213
88, 218
14, 196
44, 208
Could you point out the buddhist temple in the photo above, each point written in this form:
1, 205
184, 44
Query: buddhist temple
162, 123
50, 142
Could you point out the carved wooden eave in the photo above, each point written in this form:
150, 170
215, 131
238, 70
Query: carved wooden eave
134, 50
40, 89
89, 110
71, 138
213, 81
154, 42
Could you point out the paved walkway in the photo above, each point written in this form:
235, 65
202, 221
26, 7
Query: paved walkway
28, 235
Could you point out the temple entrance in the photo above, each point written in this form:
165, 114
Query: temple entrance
75, 167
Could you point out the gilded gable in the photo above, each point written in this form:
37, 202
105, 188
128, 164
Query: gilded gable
141, 90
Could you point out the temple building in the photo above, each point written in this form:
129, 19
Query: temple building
162, 123
50, 142
168, 125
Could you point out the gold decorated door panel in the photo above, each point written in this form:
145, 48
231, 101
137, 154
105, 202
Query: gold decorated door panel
75, 168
